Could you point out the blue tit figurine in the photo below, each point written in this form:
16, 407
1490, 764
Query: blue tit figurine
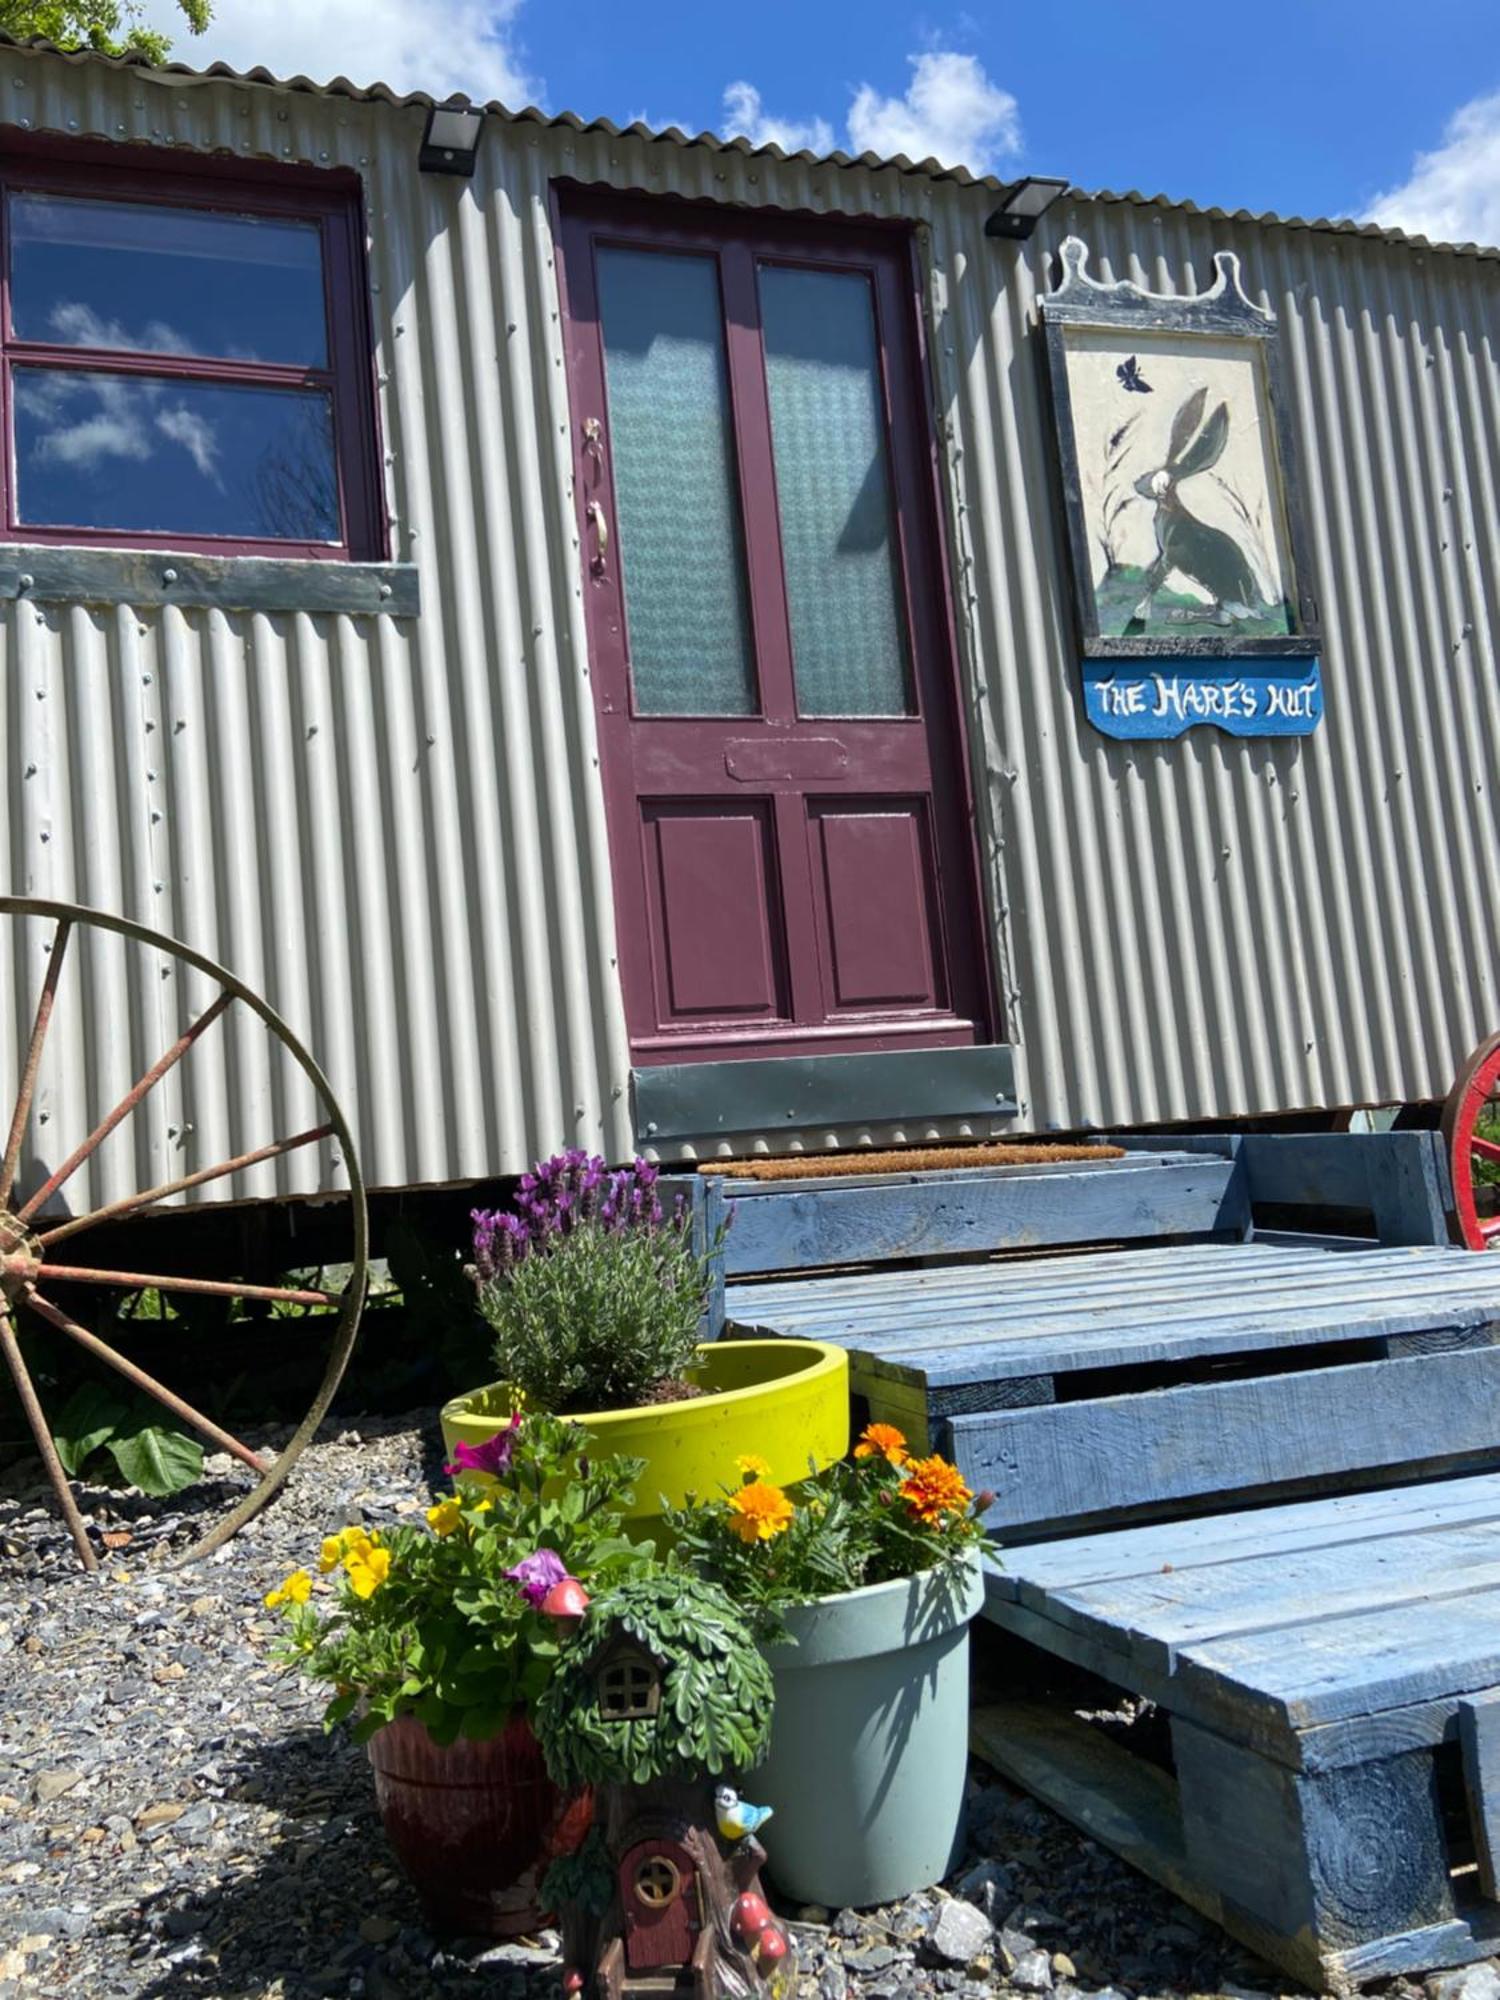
738, 1819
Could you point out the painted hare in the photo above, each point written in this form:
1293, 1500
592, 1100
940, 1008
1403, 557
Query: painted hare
1213, 560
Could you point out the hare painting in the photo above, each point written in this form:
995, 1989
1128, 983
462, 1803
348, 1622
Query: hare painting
1186, 544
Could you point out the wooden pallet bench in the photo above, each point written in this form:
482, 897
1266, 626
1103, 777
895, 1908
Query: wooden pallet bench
1254, 1481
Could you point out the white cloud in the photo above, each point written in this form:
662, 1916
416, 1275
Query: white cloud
744, 114
951, 112
1452, 193
441, 46
196, 436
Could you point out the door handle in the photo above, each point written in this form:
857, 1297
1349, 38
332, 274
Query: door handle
601, 531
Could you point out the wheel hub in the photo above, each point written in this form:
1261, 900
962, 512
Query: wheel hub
20, 1256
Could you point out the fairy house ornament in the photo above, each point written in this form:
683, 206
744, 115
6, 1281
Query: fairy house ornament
660, 1701
1189, 557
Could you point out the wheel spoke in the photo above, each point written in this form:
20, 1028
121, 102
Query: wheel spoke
132, 1204
105, 1353
1487, 1149
36, 1417
209, 1288
33, 1062
126, 1105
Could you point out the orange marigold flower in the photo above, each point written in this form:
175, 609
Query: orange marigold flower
933, 1488
758, 1512
882, 1441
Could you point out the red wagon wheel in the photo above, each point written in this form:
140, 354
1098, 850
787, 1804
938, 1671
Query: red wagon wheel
1471, 1128
37, 1270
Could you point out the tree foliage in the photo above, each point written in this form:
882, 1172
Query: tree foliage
110, 27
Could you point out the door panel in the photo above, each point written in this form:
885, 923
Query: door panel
878, 900
715, 918
789, 815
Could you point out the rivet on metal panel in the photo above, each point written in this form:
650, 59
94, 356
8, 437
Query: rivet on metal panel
150, 725
169, 576
156, 818
178, 726
30, 771
157, 887
45, 838
24, 582
145, 678
312, 729
651, 1128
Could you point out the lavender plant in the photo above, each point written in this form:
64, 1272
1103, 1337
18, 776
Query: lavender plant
594, 1290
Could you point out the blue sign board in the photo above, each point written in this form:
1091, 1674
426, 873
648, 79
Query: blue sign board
1253, 697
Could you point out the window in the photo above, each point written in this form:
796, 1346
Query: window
186, 359
629, 1687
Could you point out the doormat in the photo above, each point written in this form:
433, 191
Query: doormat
909, 1160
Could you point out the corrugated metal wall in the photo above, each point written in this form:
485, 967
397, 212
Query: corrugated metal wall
394, 829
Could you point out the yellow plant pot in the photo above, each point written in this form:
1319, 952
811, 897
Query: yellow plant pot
787, 1400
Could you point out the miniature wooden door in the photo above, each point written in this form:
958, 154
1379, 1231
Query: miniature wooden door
771, 645
659, 1897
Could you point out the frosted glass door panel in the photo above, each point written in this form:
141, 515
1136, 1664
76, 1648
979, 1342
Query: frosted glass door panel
833, 490
676, 493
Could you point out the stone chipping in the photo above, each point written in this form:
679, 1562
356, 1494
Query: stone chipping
175, 1824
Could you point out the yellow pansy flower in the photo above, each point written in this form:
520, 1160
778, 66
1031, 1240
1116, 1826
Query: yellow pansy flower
295, 1590
331, 1554
367, 1570
444, 1517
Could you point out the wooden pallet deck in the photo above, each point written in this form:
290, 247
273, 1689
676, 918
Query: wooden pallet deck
1254, 1481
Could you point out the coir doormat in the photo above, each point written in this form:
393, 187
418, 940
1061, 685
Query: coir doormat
907, 1160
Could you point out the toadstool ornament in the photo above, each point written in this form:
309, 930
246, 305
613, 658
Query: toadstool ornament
565, 1601
573, 1980
770, 1947
750, 1916
737, 1818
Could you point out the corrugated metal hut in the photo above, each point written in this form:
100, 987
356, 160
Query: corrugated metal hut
562, 631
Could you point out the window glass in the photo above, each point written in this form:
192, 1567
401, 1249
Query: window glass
167, 455
155, 279
676, 491
833, 492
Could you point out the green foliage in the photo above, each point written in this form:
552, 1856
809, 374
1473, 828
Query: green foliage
870, 1519
111, 27
583, 1880
598, 1319
1487, 1126
147, 1454
441, 1317
426, 1622
716, 1694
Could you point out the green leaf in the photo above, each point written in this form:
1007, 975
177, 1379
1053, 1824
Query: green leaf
160, 1462
89, 1418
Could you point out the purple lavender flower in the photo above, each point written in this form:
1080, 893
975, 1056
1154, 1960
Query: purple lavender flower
493, 1456
536, 1574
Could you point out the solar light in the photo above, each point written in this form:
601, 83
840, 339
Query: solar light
1023, 205
450, 145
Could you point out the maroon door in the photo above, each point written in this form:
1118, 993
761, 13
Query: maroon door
659, 1896
788, 805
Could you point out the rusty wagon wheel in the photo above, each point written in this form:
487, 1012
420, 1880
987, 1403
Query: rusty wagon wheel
1471, 1131
35, 1268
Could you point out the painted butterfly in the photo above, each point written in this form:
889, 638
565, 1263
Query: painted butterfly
1132, 378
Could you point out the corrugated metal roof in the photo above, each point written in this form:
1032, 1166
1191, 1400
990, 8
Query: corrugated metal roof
931, 169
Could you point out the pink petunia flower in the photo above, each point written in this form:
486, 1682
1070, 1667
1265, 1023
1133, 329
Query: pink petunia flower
537, 1574
493, 1456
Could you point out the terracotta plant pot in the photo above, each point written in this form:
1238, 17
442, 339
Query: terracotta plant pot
475, 1826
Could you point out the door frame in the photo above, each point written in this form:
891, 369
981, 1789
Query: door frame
637, 213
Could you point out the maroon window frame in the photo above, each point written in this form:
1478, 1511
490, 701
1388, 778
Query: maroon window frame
332, 200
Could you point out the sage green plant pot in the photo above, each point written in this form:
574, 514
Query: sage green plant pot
870, 1741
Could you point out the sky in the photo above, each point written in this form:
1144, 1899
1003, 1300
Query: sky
1310, 107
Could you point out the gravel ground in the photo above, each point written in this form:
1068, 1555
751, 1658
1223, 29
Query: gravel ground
175, 1825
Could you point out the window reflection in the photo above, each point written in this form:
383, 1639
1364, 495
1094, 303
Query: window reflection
149, 454
150, 279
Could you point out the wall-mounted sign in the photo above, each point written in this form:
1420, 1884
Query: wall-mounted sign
1189, 559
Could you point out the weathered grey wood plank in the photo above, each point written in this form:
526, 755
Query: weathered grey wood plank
1479, 1742
226, 583
941, 1218
1344, 1858
1045, 1569
1359, 1664
1081, 1459
1154, 1618
1398, 1177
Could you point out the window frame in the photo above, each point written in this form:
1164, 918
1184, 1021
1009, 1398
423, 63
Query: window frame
331, 199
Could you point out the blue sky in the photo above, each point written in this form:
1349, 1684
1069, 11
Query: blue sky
1347, 107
